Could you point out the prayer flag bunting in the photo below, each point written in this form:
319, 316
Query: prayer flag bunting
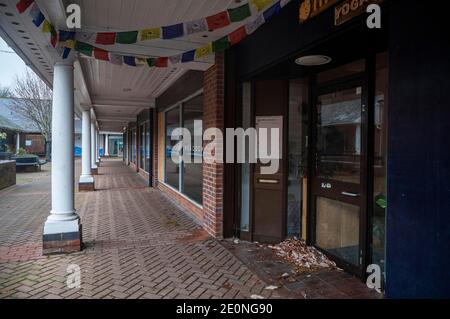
101, 54
84, 48
66, 35
53, 36
239, 13
161, 62
129, 60
115, 59
46, 27
188, 56
221, 44
85, 36
151, 62
237, 35
260, 4
70, 44
126, 37
173, 31
253, 25
141, 61
175, 59
203, 51
23, 5
272, 11
36, 15
150, 34
66, 53
106, 38
196, 26
217, 21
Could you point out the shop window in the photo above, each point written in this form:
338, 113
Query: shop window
245, 167
298, 156
147, 147
380, 161
172, 169
193, 171
142, 147
186, 177
133, 145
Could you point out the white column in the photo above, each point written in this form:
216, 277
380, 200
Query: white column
97, 148
93, 147
106, 145
86, 173
17, 142
63, 217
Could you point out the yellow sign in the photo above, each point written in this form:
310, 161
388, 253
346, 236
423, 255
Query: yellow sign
311, 8
349, 9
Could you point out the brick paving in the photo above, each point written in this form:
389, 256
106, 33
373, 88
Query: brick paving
138, 244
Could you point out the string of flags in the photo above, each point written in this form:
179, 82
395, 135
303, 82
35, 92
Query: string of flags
66, 41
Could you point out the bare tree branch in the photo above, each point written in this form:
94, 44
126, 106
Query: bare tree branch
33, 101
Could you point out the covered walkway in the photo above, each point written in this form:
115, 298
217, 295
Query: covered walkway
138, 244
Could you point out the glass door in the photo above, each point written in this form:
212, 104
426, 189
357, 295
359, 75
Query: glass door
338, 192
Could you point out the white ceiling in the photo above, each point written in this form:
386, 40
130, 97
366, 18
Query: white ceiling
117, 93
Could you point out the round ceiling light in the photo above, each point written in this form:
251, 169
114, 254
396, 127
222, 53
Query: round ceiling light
313, 60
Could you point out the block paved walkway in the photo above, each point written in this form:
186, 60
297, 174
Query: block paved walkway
138, 245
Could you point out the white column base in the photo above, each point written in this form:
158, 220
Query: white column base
84, 179
52, 227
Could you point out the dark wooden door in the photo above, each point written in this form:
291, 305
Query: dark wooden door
269, 204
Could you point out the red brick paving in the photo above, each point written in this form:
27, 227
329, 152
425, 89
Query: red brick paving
138, 244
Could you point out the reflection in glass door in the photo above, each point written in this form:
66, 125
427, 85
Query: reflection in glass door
337, 184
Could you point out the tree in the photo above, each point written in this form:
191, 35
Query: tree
4, 92
32, 100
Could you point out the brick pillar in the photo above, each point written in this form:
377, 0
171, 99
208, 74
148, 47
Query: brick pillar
213, 116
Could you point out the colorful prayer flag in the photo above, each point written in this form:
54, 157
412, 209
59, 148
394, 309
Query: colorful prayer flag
85, 36
188, 56
46, 27
175, 59
239, 13
173, 31
106, 38
253, 25
115, 59
70, 44
150, 34
66, 53
272, 11
260, 4
101, 54
218, 21
161, 62
237, 35
221, 44
23, 5
141, 61
129, 60
84, 48
203, 51
53, 36
36, 15
66, 35
151, 62
196, 26
126, 37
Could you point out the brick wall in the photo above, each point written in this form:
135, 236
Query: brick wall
7, 174
213, 116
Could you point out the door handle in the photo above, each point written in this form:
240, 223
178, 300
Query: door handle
350, 194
